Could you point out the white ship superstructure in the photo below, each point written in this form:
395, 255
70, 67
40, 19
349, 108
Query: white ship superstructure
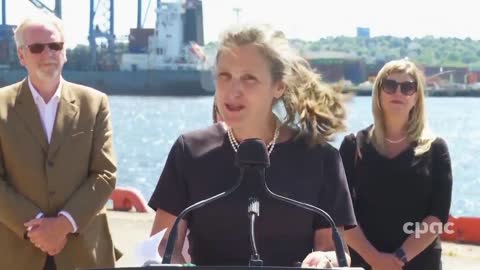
167, 48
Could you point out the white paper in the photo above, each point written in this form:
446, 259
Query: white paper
147, 250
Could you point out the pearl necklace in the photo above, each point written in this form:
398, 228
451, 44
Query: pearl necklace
396, 141
270, 145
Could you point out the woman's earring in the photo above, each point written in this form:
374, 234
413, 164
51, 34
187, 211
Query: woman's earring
279, 110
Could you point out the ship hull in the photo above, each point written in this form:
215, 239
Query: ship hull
142, 82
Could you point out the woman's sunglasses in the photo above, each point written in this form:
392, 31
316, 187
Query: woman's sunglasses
391, 86
37, 48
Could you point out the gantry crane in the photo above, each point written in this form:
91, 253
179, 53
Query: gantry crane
100, 26
57, 10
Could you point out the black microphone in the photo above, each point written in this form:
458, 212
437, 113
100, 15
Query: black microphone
172, 238
253, 153
250, 157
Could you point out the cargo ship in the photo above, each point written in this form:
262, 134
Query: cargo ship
166, 60
140, 82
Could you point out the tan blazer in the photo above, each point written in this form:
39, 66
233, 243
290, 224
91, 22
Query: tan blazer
76, 172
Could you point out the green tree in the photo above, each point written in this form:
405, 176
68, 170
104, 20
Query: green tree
453, 57
78, 58
468, 57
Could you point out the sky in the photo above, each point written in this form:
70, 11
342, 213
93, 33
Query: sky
302, 19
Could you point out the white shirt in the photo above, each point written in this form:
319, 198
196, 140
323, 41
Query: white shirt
48, 112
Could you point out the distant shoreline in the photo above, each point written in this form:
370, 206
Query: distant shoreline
431, 93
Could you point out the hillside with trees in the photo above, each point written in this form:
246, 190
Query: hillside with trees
452, 52
430, 51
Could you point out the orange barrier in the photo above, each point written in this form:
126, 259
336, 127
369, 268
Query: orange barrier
466, 230
448, 236
126, 198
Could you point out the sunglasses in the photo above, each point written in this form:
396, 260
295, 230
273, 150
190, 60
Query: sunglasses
37, 48
391, 86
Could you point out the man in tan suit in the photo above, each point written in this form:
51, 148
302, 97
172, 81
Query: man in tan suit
57, 167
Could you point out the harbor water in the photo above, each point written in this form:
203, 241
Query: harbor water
146, 127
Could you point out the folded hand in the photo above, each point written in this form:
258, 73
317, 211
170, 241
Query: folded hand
49, 234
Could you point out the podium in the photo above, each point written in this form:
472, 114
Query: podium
182, 267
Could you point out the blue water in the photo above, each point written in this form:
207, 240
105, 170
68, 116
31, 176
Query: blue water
146, 127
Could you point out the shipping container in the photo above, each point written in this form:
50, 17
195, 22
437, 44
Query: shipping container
138, 39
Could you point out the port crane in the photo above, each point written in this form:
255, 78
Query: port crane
101, 23
57, 10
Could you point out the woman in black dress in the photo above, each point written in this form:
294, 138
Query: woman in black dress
399, 176
255, 69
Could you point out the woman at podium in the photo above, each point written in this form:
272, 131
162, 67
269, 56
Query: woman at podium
257, 70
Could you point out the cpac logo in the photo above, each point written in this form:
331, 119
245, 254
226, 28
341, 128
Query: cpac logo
419, 228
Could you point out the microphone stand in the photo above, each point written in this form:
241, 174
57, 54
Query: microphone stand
337, 240
253, 212
172, 238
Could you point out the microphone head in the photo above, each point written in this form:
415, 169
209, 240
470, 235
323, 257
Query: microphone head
252, 153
